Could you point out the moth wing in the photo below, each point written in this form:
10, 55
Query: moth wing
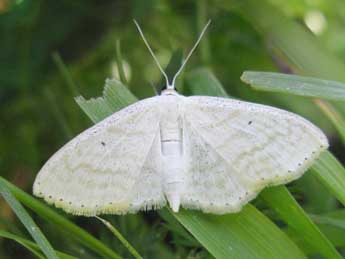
112, 167
234, 149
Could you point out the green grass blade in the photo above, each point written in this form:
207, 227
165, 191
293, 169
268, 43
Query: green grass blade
115, 96
119, 62
280, 199
293, 84
296, 218
119, 236
333, 225
335, 219
27, 221
31, 246
64, 224
65, 73
248, 234
203, 82
336, 118
330, 173
302, 49
59, 116
226, 237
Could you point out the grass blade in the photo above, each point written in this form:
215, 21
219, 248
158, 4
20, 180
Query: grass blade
64, 224
336, 219
31, 246
331, 173
333, 225
26, 243
248, 234
202, 82
302, 50
119, 62
290, 211
65, 73
115, 96
294, 84
335, 117
119, 236
27, 221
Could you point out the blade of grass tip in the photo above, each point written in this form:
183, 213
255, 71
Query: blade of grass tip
115, 96
117, 234
294, 84
120, 63
31, 246
27, 221
64, 224
336, 118
286, 206
65, 73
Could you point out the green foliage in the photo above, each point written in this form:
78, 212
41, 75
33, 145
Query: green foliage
304, 219
27, 221
292, 84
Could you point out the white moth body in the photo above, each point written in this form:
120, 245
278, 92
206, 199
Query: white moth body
199, 152
171, 136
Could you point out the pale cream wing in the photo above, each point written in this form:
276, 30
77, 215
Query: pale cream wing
235, 149
112, 167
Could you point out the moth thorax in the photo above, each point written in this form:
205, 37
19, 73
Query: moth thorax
171, 136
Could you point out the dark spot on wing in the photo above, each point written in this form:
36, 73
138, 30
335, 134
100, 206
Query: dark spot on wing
103, 144
250, 122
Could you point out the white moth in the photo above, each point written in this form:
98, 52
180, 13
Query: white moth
199, 152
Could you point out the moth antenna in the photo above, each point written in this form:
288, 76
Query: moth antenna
153, 55
190, 53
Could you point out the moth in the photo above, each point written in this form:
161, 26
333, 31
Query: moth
199, 152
